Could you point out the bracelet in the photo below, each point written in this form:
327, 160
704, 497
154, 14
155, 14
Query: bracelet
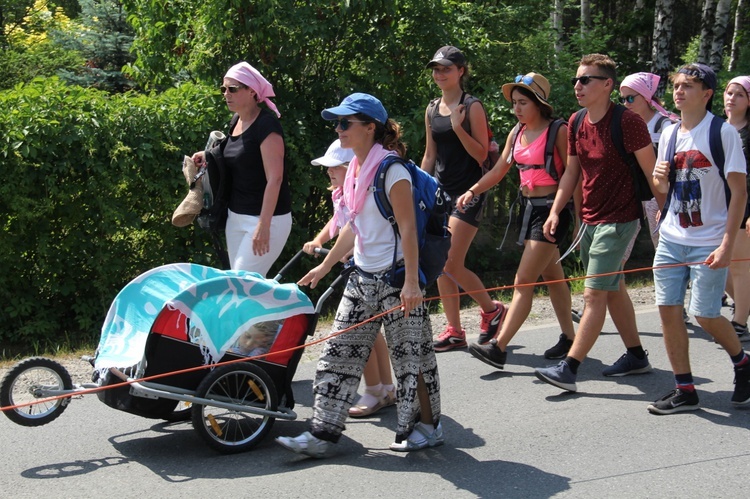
472, 193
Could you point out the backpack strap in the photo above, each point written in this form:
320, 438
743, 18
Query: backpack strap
549, 148
514, 133
717, 151
579, 119
660, 123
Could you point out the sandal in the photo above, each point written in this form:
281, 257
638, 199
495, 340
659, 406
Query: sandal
420, 438
372, 401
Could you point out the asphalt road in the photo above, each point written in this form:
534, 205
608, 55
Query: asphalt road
507, 435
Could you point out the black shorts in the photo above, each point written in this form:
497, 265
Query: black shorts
473, 211
539, 214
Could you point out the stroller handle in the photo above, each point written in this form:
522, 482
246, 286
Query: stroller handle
295, 259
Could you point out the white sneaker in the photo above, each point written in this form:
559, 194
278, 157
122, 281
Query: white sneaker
305, 444
421, 437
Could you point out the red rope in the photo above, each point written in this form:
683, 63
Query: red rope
332, 335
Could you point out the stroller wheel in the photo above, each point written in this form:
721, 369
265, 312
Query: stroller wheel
235, 430
181, 413
30, 380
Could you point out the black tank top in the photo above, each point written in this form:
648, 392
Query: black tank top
455, 169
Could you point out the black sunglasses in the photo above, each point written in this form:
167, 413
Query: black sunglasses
233, 89
585, 80
344, 123
629, 99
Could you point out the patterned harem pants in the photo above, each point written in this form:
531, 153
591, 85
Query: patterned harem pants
343, 358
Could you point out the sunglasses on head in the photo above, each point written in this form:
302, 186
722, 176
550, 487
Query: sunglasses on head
629, 99
585, 80
528, 81
233, 89
344, 123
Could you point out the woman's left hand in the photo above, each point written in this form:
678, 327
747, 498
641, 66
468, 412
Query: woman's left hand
261, 239
457, 116
411, 297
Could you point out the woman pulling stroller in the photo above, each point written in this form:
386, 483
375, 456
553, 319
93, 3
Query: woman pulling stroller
363, 125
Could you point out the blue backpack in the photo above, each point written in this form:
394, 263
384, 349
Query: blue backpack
433, 207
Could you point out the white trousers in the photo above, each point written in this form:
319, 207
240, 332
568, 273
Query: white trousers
239, 232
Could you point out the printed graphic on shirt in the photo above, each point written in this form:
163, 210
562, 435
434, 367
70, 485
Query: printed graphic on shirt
691, 166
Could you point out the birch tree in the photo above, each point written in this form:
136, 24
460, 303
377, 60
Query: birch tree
585, 18
739, 28
721, 22
662, 42
557, 25
708, 17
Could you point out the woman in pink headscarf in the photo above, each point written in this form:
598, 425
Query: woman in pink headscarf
637, 93
737, 109
259, 217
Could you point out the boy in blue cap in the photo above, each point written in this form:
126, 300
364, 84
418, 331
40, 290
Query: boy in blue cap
698, 224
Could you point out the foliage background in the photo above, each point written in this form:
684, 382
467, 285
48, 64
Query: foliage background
93, 174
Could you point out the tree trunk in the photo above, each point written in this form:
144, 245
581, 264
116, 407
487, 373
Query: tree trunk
557, 25
739, 27
662, 42
585, 18
638, 44
707, 30
715, 59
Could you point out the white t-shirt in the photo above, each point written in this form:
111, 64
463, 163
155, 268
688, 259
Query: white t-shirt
697, 214
373, 245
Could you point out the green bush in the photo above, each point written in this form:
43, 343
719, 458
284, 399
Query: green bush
91, 181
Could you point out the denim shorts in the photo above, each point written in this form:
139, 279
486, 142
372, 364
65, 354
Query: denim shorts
671, 283
602, 249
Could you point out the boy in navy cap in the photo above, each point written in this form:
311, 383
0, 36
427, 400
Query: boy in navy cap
698, 224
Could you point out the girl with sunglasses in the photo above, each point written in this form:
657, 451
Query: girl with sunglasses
637, 93
456, 149
259, 218
737, 109
525, 147
370, 300
380, 392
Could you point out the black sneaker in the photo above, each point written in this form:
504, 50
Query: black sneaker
560, 350
489, 354
675, 401
741, 395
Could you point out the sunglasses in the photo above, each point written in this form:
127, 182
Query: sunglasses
629, 99
528, 81
344, 123
585, 80
233, 89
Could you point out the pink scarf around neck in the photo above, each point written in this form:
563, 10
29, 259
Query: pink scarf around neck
357, 185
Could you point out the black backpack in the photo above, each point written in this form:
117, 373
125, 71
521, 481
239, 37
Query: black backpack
640, 182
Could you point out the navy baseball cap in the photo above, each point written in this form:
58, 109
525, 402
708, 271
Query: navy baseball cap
358, 103
703, 73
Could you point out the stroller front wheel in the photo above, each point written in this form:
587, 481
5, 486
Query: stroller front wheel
230, 431
30, 380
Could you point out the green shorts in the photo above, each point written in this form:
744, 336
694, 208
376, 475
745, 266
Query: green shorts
603, 247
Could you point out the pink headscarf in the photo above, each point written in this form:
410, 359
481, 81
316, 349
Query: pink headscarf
743, 81
248, 75
646, 85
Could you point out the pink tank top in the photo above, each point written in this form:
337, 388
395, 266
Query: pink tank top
533, 154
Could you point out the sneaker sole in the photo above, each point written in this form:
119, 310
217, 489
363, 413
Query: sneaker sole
477, 355
299, 450
565, 386
448, 348
642, 370
680, 408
